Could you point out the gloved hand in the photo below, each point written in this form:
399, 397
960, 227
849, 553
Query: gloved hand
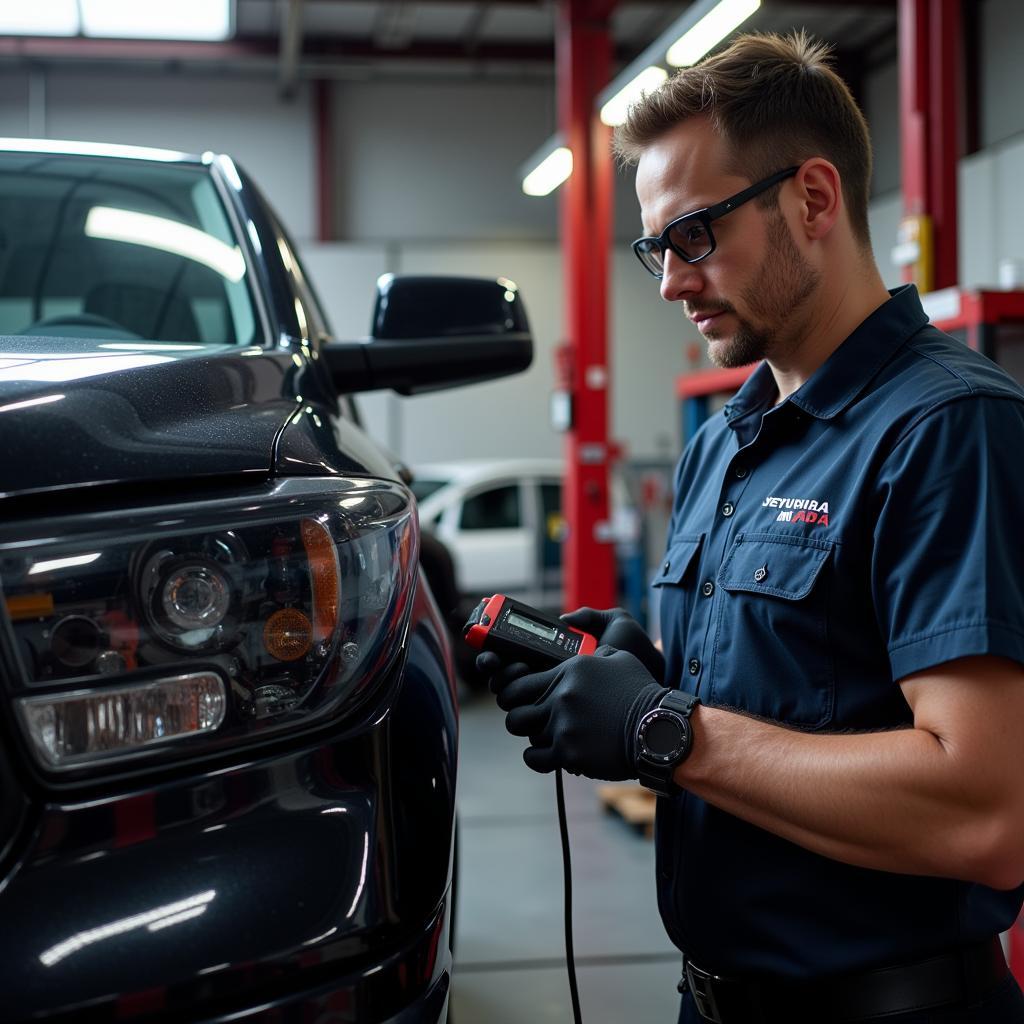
617, 628
496, 672
581, 715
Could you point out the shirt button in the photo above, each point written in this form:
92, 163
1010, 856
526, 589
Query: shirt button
694, 666
760, 574
665, 568
740, 472
708, 588
727, 509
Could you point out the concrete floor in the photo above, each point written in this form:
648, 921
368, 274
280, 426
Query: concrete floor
510, 952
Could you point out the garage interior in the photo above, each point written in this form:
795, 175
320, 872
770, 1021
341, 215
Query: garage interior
393, 136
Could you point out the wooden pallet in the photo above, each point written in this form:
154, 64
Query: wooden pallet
634, 804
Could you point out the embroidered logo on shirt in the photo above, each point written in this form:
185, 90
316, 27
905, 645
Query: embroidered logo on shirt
798, 510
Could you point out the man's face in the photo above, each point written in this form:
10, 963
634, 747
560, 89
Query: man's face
750, 297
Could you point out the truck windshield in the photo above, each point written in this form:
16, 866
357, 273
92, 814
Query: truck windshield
119, 249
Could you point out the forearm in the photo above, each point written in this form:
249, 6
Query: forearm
898, 801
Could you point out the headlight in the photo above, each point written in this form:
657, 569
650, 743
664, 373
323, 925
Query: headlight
206, 624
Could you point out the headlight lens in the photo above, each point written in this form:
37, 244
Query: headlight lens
206, 624
66, 729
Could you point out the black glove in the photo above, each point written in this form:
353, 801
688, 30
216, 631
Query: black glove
618, 629
581, 715
496, 672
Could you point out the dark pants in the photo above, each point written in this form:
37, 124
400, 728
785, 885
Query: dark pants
1003, 1005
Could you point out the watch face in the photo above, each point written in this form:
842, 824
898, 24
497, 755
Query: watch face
663, 735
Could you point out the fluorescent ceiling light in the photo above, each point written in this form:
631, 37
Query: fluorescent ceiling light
39, 18
614, 112
710, 31
169, 235
550, 173
147, 19
119, 19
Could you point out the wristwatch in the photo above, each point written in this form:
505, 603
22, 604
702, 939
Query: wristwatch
664, 737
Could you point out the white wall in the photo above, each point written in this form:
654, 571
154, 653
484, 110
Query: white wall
1002, 42
14, 104
884, 215
992, 214
882, 110
440, 161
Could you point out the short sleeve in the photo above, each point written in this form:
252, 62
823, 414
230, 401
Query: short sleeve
948, 562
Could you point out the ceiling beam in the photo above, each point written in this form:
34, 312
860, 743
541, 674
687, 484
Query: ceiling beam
255, 48
432, 50
77, 48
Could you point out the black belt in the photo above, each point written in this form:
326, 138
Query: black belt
943, 980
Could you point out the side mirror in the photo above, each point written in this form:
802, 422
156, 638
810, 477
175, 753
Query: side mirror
435, 332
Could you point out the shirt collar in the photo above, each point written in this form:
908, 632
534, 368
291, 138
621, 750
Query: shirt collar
838, 381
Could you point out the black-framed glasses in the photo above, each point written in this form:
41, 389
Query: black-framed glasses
690, 237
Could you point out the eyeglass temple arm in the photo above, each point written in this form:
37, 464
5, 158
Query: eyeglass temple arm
714, 212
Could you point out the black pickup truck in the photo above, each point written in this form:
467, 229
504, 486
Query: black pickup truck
228, 732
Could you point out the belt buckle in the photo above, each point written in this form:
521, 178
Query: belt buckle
701, 985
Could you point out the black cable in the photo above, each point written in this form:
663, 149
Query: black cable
570, 960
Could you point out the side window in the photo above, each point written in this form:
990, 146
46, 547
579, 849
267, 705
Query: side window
496, 509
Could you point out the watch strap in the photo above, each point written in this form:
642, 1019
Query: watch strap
681, 701
658, 777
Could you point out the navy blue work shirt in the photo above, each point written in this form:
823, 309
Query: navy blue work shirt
820, 550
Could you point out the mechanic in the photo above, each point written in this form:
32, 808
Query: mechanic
843, 588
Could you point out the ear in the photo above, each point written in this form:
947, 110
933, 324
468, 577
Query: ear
820, 195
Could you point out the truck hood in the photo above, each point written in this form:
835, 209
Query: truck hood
78, 411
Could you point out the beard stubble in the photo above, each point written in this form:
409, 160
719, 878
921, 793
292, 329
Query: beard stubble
783, 284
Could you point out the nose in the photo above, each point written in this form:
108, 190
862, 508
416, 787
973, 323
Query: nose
679, 279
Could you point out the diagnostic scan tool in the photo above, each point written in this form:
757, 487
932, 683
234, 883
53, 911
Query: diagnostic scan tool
517, 632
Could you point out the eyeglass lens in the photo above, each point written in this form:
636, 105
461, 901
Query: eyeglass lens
689, 238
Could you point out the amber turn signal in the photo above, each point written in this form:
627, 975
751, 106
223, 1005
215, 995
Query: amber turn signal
288, 634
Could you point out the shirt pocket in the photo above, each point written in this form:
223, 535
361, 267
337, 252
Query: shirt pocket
673, 592
772, 656
681, 554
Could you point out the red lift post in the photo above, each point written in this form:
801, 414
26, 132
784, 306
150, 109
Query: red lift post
931, 130
583, 57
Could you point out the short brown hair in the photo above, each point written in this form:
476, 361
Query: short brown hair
777, 102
